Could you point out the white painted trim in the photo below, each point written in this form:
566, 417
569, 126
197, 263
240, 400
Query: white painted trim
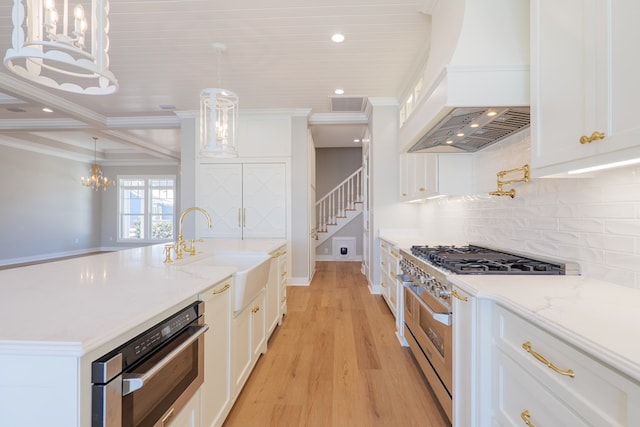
338, 118
298, 281
320, 258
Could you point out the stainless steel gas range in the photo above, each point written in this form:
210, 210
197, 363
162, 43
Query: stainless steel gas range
427, 299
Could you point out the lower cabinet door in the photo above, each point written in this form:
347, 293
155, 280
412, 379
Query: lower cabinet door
519, 400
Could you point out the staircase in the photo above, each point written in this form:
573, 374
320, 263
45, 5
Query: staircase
339, 207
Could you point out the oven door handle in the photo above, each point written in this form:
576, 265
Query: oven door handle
135, 381
444, 318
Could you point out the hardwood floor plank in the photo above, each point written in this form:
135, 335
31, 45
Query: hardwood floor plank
335, 361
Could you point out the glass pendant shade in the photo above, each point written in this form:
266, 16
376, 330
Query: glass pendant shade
62, 46
218, 123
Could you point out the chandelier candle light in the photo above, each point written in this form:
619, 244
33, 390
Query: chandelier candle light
96, 181
218, 118
62, 46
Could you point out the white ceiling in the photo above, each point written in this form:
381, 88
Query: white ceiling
279, 55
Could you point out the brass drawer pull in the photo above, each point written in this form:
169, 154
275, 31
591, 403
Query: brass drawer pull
219, 291
584, 139
543, 360
458, 296
525, 415
255, 309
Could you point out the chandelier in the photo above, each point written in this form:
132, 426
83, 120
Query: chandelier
218, 118
96, 181
62, 47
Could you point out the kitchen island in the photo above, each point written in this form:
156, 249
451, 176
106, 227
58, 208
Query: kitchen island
58, 317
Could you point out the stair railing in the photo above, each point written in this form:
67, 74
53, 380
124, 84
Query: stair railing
339, 200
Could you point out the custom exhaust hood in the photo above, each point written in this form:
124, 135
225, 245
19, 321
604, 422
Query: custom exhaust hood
477, 77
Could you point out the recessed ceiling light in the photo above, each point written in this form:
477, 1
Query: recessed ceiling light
474, 125
460, 134
356, 140
339, 91
337, 38
491, 113
47, 110
449, 141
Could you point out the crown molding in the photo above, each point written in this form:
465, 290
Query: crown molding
338, 119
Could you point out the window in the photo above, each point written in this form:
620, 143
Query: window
146, 208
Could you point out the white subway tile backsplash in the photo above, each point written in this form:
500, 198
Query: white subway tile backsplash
608, 210
623, 227
560, 237
623, 261
608, 242
589, 225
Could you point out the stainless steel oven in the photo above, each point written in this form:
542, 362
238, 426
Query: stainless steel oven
428, 331
146, 381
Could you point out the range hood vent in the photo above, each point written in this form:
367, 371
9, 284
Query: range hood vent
478, 64
470, 129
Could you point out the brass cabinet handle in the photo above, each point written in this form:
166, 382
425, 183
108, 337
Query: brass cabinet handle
283, 299
421, 189
255, 309
458, 296
543, 360
525, 415
284, 273
219, 291
239, 218
584, 139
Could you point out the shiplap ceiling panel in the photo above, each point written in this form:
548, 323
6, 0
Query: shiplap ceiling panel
279, 55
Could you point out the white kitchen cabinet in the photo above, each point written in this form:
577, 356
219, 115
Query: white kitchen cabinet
248, 341
189, 415
556, 383
424, 175
276, 292
245, 200
583, 80
216, 390
464, 358
389, 269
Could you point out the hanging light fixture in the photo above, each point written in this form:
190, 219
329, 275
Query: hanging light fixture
62, 47
96, 181
218, 118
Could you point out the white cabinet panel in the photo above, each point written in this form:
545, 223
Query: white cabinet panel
583, 81
424, 175
216, 390
245, 200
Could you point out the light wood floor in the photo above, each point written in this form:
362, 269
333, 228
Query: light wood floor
334, 362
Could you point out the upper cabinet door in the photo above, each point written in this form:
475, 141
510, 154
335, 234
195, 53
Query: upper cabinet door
264, 201
220, 193
583, 91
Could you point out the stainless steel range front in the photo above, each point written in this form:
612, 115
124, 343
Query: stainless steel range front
427, 299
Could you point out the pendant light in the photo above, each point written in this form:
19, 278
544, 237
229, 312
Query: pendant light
218, 118
96, 180
62, 46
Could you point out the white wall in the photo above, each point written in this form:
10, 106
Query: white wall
593, 220
45, 211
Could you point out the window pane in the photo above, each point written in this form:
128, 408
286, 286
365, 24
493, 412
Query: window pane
132, 227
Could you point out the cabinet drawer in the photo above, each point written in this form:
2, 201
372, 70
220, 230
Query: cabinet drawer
518, 397
596, 392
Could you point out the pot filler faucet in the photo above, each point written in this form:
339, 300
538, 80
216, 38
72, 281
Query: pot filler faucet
180, 245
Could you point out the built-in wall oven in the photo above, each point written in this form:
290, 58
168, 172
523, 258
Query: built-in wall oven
146, 381
427, 300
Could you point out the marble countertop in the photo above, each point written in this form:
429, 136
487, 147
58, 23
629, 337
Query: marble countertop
74, 306
599, 317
